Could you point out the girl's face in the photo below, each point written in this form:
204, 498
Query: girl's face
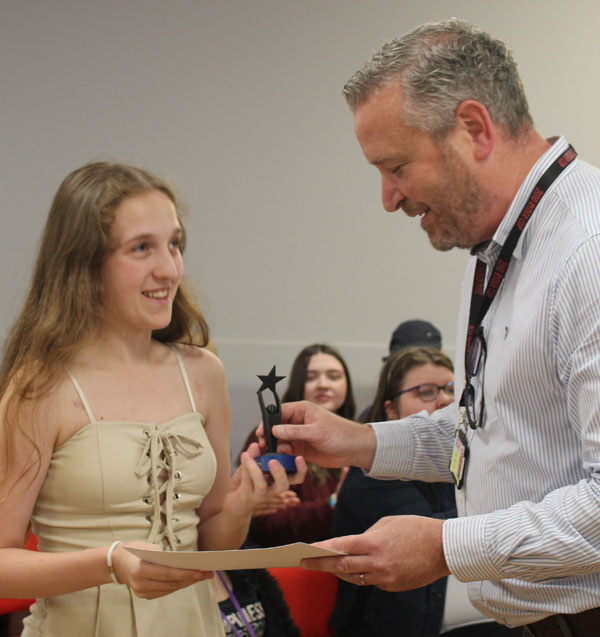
141, 274
326, 383
411, 402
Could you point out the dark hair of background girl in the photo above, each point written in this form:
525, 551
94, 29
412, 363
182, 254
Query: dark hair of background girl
297, 379
295, 391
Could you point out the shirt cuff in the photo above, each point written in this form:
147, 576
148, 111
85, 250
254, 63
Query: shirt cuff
394, 450
465, 549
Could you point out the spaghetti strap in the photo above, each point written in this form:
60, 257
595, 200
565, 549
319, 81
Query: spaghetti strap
186, 380
86, 405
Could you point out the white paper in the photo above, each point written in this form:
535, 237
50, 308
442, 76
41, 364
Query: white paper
274, 557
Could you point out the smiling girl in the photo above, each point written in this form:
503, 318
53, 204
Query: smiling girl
113, 432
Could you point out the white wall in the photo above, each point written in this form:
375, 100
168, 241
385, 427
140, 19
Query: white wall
239, 102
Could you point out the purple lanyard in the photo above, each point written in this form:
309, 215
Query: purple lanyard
233, 598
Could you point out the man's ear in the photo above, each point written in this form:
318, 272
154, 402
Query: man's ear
473, 119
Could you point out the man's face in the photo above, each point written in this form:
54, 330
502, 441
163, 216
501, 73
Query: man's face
420, 175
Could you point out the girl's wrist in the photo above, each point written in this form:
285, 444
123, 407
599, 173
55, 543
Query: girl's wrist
109, 561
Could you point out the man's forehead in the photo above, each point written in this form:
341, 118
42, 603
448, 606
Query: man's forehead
381, 131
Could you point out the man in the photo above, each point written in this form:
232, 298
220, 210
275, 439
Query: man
442, 115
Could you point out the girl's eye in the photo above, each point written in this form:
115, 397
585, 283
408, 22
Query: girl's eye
176, 244
141, 247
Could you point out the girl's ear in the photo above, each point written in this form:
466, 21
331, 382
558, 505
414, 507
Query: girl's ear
390, 410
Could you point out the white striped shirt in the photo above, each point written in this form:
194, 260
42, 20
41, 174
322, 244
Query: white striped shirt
528, 535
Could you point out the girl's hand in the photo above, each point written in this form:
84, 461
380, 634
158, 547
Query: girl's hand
277, 502
250, 488
148, 580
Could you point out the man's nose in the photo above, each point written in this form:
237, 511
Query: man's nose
391, 195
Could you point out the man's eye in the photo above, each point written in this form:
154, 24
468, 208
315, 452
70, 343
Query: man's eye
397, 170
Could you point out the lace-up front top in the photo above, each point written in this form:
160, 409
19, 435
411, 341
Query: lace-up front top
127, 481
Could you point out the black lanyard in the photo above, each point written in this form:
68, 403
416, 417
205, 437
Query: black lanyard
482, 299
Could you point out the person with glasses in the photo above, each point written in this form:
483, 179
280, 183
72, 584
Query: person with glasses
412, 333
441, 113
413, 380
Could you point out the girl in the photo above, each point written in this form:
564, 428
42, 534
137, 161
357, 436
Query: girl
318, 374
113, 433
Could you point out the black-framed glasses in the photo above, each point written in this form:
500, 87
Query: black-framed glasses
428, 392
475, 364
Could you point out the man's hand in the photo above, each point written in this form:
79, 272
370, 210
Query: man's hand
397, 553
322, 437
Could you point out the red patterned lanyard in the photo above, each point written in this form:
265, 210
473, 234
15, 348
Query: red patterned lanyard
482, 299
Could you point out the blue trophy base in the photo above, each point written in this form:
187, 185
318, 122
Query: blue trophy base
287, 461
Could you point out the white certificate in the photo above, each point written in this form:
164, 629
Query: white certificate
274, 557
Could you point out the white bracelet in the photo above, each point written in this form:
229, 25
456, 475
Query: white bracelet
113, 575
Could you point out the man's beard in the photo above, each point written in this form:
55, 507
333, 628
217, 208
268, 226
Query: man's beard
456, 201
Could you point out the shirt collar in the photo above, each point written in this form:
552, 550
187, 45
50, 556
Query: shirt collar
488, 250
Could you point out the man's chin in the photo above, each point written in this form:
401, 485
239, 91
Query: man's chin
444, 243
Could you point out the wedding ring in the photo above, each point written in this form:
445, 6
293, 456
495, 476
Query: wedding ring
362, 579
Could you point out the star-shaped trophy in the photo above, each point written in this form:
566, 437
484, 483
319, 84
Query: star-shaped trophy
271, 415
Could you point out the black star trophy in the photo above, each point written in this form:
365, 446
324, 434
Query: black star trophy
271, 415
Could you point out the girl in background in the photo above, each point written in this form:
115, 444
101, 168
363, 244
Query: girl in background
319, 374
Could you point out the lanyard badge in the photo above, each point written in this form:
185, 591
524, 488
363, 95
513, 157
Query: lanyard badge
460, 454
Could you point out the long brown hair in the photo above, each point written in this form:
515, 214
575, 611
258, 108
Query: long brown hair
395, 369
295, 391
297, 380
63, 307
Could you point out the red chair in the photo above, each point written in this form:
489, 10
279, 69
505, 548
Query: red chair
13, 605
310, 596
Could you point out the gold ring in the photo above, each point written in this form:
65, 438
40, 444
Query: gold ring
362, 579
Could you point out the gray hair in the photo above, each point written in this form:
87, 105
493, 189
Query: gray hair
439, 66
